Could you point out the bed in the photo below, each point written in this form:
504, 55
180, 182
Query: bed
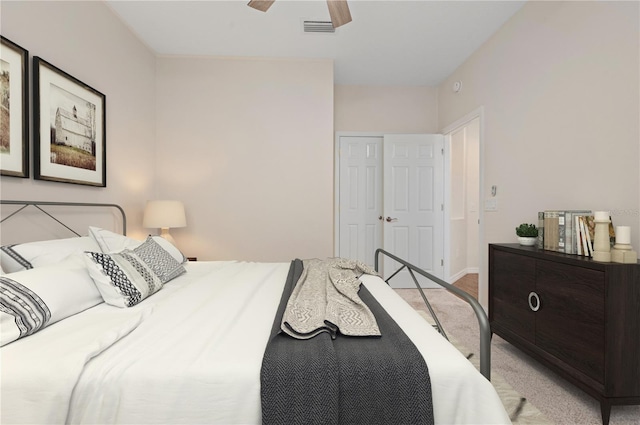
192, 352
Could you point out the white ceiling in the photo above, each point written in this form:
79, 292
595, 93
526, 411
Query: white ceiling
389, 42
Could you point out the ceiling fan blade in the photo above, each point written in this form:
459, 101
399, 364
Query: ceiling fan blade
262, 5
339, 11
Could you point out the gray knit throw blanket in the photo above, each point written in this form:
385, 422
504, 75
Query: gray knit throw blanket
325, 299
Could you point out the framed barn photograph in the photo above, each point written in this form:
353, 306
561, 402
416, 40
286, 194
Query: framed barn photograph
70, 128
14, 110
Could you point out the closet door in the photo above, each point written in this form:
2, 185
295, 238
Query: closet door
390, 195
360, 198
413, 204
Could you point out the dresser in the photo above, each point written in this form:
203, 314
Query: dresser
578, 317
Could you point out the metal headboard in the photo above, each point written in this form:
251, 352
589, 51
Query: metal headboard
39, 204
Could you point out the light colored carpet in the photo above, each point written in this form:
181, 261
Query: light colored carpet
559, 401
520, 410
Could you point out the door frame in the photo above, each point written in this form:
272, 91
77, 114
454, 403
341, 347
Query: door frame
336, 191
483, 284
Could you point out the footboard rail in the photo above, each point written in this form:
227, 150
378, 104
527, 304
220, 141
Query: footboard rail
483, 320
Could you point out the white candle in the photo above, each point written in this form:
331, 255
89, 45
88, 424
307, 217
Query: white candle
623, 235
601, 215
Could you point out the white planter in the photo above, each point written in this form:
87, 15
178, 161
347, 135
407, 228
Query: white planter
527, 241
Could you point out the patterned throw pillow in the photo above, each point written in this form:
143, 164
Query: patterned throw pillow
22, 311
163, 264
111, 242
32, 299
128, 277
24, 256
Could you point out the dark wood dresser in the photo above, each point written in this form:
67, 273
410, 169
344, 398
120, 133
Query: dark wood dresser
578, 317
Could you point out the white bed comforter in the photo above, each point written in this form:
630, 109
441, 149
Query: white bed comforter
192, 354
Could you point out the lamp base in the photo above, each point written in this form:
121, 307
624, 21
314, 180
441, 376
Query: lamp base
164, 233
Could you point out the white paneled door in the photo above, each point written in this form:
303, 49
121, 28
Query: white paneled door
360, 200
391, 196
413, 204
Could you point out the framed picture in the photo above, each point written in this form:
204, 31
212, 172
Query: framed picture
70, 128
14, 110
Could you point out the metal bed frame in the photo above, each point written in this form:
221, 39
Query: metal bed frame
483, 321
39, 204
485, 329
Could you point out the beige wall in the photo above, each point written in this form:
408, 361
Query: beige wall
234, 139
247, 144
96, 48
386, 109
559, 85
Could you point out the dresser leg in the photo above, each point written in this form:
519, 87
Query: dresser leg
605, 409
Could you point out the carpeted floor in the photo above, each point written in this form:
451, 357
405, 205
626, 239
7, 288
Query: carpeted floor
520, 410
559, 402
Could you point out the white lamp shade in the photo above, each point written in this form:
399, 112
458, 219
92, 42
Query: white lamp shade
164, 214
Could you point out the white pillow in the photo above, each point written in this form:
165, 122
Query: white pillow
14, 258
126, 278
33, 299
111, 242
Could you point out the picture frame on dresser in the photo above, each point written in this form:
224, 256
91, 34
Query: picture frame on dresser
14, 109
69, 128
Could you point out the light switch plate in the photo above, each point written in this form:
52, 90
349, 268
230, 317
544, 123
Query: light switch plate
491, 204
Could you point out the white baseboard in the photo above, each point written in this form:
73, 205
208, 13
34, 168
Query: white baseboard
462, 273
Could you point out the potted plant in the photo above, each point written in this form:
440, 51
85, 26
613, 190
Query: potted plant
527, 234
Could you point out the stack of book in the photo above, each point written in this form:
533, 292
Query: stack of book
568, 231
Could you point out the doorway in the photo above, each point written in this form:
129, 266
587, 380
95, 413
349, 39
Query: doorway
464, 199
476, 251
390, 194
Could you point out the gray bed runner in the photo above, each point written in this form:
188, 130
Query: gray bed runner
347, 380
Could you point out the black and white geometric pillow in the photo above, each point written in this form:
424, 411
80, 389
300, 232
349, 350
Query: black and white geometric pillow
126, 278
22, 311
163, 264
33, 299
11, 260
111, 243
25, 256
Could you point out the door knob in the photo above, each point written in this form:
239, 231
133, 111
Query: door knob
381, 218
389, 219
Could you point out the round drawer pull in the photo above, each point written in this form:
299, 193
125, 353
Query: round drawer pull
534, 301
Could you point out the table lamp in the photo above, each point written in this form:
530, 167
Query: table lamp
164, 215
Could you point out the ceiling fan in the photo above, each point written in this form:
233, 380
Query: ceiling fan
338, 9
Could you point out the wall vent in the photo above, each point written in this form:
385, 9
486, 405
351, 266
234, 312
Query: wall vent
318, 26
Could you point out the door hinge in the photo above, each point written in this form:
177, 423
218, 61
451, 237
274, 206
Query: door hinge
442, 262
441, 207
442, 151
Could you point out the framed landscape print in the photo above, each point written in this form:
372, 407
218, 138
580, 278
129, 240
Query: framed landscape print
70, 128
14, 110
